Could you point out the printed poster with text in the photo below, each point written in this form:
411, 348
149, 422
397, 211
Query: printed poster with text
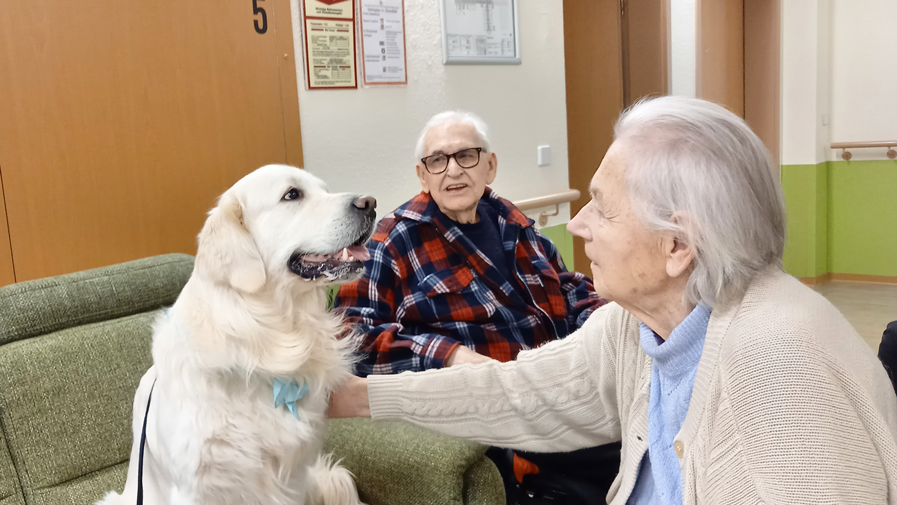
330, 53
383, 42
333, 9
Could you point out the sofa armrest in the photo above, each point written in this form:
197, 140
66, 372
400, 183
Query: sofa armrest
401, 464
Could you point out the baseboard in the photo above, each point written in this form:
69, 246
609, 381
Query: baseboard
815, 281
822, 279
879, 279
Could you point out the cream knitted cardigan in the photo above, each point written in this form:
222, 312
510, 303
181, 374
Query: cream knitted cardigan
789, 404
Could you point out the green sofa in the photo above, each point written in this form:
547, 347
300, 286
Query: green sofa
72, 350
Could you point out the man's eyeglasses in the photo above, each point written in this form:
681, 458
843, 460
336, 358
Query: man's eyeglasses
465, 158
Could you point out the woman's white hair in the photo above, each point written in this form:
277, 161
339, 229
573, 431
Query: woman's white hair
697, 171
453, 117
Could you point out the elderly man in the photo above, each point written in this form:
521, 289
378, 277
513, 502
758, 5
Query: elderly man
728, 381
459, 275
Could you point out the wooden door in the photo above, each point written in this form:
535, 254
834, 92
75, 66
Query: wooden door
120, 122
615, 53
762, 76
645, 49
720, 53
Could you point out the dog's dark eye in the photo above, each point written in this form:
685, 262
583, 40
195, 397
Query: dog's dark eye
292, 194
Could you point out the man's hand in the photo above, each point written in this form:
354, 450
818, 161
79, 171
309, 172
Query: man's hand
350, 400
463, 355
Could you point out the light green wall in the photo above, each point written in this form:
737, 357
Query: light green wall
806, 203
862, 234
563, 240
842, 218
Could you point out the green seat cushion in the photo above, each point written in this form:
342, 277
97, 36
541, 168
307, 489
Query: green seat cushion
38, 307
9, 482
66, 401
84, 490
401, 464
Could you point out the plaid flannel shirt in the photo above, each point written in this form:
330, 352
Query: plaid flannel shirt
428, 289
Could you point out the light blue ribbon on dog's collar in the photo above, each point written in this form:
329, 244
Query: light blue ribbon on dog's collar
288, 393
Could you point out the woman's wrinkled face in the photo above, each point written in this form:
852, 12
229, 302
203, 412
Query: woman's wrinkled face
627, 264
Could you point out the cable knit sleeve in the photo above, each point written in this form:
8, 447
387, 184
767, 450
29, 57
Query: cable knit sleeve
559, 397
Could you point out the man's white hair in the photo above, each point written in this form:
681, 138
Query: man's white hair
453, 117
697, 171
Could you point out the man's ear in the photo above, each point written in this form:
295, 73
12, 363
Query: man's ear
422, 175
679, 254
226, 250
492, 169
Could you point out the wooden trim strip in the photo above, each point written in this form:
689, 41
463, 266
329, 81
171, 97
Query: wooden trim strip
7, 268
856, 145
571, 195
822, 279
289, 86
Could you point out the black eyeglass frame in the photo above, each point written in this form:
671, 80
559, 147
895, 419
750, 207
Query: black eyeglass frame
449, 157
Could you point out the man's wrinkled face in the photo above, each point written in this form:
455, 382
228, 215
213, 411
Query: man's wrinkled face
456, 190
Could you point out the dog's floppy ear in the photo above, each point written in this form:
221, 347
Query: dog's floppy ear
226, 250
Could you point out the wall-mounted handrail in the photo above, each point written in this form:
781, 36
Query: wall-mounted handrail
546, 201
845, 154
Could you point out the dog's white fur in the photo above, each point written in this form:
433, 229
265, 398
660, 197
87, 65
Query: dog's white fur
242, 320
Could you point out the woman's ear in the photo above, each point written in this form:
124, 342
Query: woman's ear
679, 253
226, 252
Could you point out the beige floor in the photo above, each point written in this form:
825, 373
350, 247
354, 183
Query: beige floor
869, 307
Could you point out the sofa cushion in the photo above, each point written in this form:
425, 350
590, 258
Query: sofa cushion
72, 351
66, 400
9, 482
42, 306
401, 464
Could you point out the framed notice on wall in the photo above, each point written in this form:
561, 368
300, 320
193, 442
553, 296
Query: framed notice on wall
332, 9
480, 32
329, 44
383, 42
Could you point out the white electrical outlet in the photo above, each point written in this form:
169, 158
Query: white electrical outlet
543, 155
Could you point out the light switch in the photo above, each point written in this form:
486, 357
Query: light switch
543, 155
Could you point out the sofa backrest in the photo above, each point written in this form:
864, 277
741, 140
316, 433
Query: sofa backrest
72, 350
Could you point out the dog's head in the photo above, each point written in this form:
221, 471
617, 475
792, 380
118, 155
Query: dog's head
280, 224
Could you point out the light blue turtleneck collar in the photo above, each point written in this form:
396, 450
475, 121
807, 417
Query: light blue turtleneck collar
681, 352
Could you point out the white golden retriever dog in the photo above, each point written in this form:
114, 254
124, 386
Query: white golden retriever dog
253, 313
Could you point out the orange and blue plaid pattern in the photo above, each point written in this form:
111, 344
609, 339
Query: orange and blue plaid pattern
428, 289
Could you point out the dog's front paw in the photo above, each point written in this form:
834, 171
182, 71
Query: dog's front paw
333, 484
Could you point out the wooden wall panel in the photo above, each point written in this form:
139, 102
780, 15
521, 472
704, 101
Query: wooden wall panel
645, 49
120, 122
7, 274
720, 58
762, 74
594, 75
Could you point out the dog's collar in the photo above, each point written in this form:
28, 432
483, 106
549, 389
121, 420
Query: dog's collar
288, 393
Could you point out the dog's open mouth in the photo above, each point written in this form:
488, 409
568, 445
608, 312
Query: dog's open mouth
335, 266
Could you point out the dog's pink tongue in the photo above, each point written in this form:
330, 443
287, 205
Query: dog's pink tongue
360, 252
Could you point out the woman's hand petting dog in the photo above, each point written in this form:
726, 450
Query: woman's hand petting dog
350, 400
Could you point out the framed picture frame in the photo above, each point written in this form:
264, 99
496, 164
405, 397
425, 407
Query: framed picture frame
480, 32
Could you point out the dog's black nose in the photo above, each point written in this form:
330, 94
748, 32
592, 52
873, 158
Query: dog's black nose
366, 203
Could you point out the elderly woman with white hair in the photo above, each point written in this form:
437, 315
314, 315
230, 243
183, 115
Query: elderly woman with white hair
726, 380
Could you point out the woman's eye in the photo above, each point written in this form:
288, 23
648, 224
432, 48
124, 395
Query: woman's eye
292, 194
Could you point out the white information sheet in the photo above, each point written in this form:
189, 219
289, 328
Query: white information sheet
383, 41
480, 31
330, 53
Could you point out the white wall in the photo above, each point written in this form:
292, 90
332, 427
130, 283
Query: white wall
864, 73
683, 52
805, 80
363, 140
839, 82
